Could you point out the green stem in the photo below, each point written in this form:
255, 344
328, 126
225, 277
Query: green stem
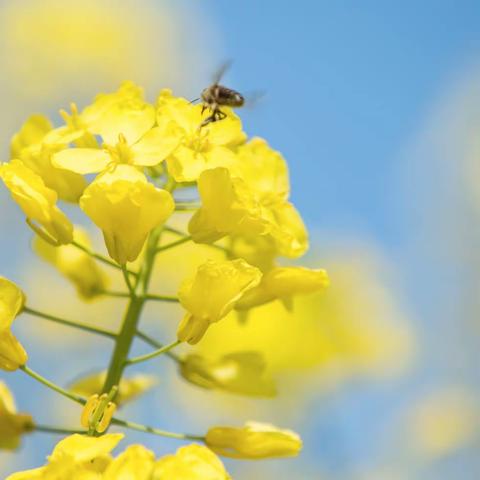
174, 244
70, 323
185, 207
162, 298
155, 353
110, 293
156, 431
53, 386
154, 343
127, 281
175, 231
132, 315
62, 431
100, 258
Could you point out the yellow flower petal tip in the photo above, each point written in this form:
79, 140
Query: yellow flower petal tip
254, 441
211, 295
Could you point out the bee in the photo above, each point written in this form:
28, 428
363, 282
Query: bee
216, 96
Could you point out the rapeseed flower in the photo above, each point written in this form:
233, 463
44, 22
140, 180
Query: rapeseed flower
211, 295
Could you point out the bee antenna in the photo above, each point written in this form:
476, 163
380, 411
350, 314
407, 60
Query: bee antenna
195, 100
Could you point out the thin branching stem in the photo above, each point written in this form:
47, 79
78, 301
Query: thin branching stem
178, 232
162, 298
72, 396
174, 244
56, 430
155, 353
156, 431
154, 343
101, 258
70, 323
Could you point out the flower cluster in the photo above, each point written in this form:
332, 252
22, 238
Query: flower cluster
129, 166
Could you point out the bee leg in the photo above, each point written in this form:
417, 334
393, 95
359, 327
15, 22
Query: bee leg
204, 106
221, 115
208, 120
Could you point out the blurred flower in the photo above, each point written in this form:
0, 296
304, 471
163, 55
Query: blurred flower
243, 373
130, 387
126, 207
135, 463
334, 338
50, 48
37, 202
29, 146
195, 149
12, 354
75, 264
443, 422
212, 294
284, 283
76, 456
253, 441
12, 424
192, 462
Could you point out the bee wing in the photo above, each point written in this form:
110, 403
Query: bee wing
221, 71
252, 99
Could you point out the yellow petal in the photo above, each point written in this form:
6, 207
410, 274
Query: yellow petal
153, 148
82, 448
12, 354
135, 463
192, 462
282, 283
253, 441
264, 170
12, 300
82, 160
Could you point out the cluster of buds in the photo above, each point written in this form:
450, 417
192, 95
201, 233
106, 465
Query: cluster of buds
125, 163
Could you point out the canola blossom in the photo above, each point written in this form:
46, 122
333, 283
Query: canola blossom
131, 168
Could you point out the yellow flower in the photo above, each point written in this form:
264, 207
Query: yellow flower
212, 294
135, 463
231, 207
192, 462
126, 207
75, 264
130, 387
124, 121
12, 354
284, 283
228, 207
195, 149
77, 457
28, 145
253, 441
37, 202
12, 424
240, 372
